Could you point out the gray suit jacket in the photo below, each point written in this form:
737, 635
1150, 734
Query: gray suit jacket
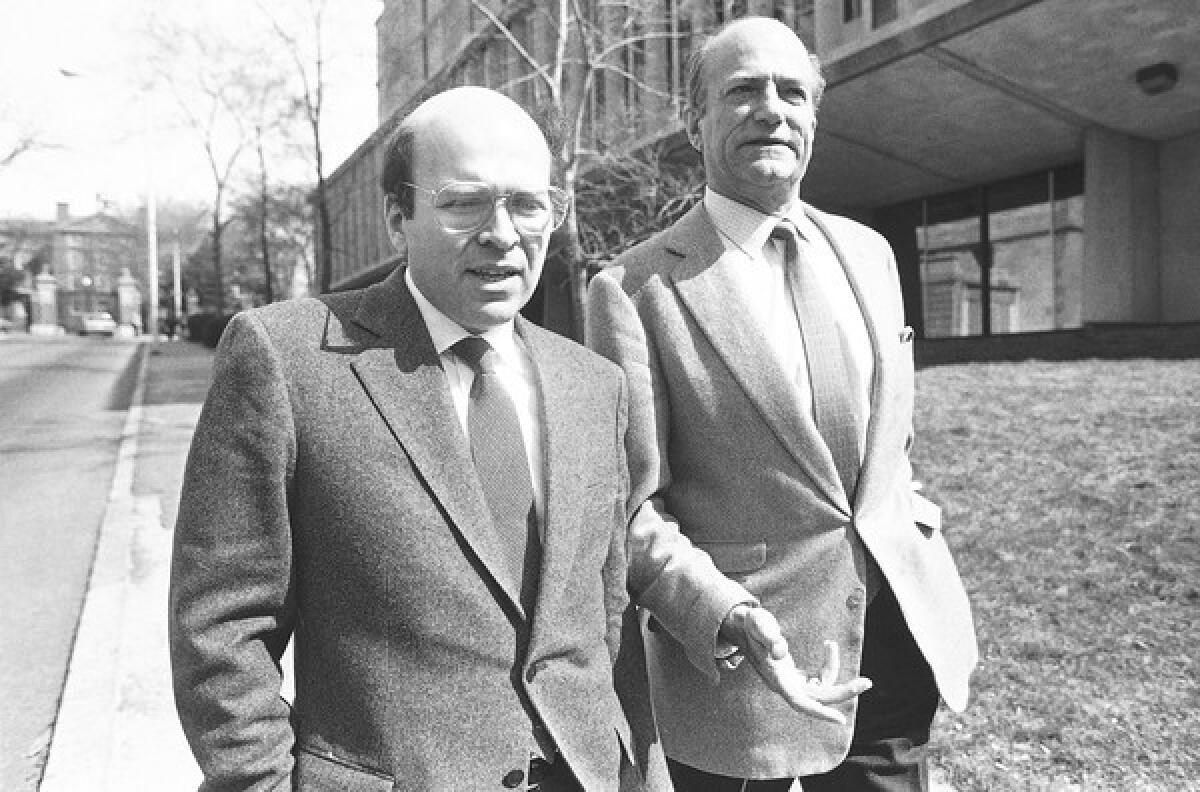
330, 493
742, 498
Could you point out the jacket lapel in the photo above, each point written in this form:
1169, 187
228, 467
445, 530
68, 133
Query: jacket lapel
406, 383
706, 283
561, 468
872, 306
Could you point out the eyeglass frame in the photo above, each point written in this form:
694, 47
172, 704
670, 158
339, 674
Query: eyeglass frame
497, 198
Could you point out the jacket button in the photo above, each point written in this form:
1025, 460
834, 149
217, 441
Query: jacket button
512, 779
855, 600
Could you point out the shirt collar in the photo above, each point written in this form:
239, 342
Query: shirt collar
445, 332
748, 228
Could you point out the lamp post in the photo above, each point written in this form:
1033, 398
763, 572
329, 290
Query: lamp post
151, 235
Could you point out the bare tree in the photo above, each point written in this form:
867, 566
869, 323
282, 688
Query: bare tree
308, 59
584, 75
217, 88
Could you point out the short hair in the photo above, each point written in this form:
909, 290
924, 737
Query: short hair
398, 167
697, 88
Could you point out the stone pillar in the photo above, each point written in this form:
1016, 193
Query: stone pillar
1121, 222
129, 305
45, 306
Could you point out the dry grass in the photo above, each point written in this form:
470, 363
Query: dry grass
1072, 501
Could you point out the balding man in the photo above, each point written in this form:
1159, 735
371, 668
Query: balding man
427, 493
771, 388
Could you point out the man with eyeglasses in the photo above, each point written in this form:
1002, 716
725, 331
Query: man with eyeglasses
427, 493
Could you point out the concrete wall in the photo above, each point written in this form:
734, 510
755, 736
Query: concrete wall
1121, 222
1179, 165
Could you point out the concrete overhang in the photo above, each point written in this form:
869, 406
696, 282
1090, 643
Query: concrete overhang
973, 92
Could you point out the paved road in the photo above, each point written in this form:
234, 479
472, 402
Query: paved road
62, 409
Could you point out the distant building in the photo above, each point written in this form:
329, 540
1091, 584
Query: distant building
87, 257
1035, 164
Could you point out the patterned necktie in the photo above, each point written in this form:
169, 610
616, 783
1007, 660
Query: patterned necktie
498, 448
835, 405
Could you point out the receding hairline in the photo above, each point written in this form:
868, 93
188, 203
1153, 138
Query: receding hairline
699, 63
467, 109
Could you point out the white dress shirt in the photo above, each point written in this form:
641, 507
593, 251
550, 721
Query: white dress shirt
513, 368
764, 286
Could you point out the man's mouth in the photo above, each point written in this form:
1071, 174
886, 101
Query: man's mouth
494, 274
770, 142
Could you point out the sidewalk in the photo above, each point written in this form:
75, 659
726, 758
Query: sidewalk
116, 726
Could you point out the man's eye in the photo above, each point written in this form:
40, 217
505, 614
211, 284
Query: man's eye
528, 203
795, 93
463, 201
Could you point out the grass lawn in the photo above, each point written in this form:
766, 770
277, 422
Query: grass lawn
1071, 498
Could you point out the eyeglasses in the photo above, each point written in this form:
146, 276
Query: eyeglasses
462, 207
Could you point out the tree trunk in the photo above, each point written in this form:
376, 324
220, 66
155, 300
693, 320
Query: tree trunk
218, 227
268, 287
576, 265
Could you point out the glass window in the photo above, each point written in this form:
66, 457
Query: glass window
882, 12
851, 10
1026, 233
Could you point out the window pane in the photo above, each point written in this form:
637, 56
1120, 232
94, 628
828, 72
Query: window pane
882, 12
950, 277
1037, 262
851, 10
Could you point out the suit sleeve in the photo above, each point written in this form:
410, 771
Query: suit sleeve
668, 575
230, 615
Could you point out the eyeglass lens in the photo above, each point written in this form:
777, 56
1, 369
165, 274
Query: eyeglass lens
466, 207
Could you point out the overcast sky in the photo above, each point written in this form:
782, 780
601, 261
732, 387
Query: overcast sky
110, 138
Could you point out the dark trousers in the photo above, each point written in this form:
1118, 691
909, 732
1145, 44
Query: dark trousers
891, 729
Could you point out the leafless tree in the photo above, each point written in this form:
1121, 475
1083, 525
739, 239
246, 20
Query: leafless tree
217, 88
304, 46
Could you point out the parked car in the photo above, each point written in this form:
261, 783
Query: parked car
97, 323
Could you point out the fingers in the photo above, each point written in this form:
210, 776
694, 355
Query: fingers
764, 634
815, 697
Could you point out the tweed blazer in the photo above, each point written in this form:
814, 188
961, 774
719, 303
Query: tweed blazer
740, 499
330, 495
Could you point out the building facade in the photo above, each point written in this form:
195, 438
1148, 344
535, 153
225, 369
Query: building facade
71, 266
1035, 164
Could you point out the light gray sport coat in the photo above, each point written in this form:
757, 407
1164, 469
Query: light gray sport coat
742, 498
330, 493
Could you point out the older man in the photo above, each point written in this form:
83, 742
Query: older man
428, 493
771, 388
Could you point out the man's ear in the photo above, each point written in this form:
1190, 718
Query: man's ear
393, 220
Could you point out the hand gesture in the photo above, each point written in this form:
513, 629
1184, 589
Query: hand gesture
756, 632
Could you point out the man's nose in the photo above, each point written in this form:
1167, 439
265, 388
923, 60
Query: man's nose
499, 229
769, 105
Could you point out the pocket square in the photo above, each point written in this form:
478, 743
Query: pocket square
906, 334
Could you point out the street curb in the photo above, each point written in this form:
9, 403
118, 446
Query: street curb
82, 743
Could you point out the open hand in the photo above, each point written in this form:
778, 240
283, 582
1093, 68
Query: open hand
756, 632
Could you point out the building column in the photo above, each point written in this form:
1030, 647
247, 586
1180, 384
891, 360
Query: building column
1180, 246
1121, 229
